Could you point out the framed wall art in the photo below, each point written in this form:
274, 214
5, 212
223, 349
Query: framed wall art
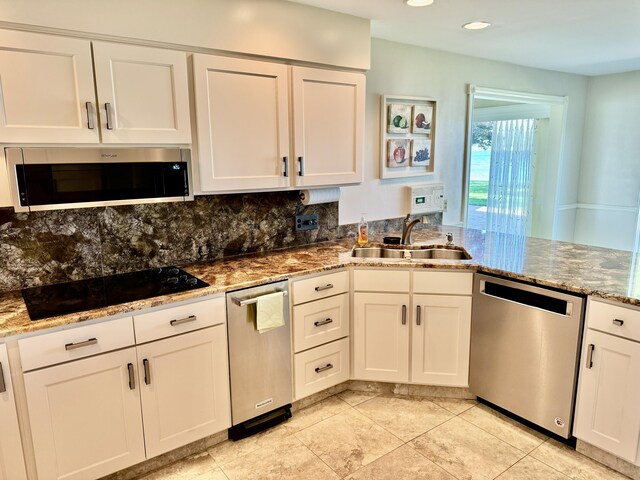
407, 133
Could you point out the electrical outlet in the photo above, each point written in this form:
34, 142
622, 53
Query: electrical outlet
307, 222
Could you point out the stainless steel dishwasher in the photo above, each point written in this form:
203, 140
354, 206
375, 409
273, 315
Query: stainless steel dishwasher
525, 346
259, 363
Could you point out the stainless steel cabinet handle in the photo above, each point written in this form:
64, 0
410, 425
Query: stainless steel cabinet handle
301, 162
320, 323
328, 366
618, 322
404, 314
324, 287
3, 386
89, 107
147, 372
132, 376
286, 166
180, 321
418, 313
86, 343
107, 109
590, 350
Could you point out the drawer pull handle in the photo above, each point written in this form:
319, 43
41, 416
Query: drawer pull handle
618, 322
132, 376
328, 366
180, 321
147, 372
404, 314
326, 321
418, 315
3, 386
590, 350
86, 343
324, 287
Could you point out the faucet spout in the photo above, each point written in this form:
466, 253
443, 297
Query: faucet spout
408, 228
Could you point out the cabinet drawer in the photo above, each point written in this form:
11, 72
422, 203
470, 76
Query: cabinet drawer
447, 283
320, 287
179, 319
79, 342
601, 316
319, 322
381, 280
321, 367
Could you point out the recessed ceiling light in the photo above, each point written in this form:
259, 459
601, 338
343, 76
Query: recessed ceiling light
478, 25
418, 3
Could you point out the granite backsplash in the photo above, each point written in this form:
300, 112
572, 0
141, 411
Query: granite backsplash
63, 245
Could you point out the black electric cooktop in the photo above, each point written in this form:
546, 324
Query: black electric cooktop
54, 300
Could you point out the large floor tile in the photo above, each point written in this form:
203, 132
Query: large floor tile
572, 463
195, 467
228, 451
466, 451
315, 413
506, 429
531, 469
403, 463
287, 459
454, 405
348, 441
353, 397
405, 417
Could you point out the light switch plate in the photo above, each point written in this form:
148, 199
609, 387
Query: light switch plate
307, 222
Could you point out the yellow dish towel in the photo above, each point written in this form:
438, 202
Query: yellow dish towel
269, 312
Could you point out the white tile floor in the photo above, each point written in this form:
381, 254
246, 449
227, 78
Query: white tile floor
359, 435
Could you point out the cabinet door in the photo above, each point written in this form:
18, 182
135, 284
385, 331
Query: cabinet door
607, 413
328, 113
242, 119
47, 89
143, 94
11, 459
85, 416
441, 340
185, 388
381, 337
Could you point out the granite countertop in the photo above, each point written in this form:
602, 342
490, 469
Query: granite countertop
602, 272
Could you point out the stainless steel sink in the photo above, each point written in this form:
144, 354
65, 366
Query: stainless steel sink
426, 253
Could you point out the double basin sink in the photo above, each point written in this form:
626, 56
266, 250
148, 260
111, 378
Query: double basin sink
433, 252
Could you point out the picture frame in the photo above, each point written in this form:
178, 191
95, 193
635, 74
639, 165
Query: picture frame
407, 148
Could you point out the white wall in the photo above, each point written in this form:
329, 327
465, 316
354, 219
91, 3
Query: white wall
273, 28
400, 69
609, 185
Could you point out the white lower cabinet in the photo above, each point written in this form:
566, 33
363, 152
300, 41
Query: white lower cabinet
412, 337
112, 404
321, 367
85, 416
185, 395
608, 403
381, 337
11, 457
440, 340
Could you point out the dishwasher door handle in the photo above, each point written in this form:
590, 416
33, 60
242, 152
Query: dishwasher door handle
526, 297
243, 302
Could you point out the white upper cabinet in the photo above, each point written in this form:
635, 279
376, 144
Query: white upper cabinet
250, 115
49, 94
328, 125
47, 91
242, 113
143, 94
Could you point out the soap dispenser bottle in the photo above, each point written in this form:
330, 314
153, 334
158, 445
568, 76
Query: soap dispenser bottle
363, 231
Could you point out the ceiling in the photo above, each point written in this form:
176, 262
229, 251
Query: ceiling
587, 37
